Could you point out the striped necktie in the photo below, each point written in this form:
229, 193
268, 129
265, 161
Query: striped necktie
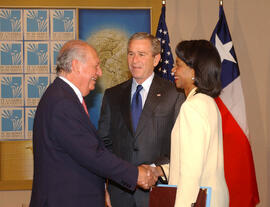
136, 107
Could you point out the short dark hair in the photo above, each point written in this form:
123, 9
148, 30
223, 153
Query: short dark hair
203, 57
155, 43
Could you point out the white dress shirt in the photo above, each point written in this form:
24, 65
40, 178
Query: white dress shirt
146, 86
75, 89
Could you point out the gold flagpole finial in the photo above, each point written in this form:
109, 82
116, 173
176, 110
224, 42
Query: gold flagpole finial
220, 2
163, 2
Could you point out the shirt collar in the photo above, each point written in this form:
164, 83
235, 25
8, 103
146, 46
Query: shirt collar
192, 93
146, 84
75, 89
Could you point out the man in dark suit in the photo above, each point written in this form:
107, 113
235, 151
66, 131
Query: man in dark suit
70, 160
148, 141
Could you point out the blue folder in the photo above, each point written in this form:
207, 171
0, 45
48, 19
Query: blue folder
209, 192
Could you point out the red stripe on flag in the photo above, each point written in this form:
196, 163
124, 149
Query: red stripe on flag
238, 162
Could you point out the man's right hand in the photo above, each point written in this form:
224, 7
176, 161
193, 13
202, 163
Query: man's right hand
146, 178
156, 170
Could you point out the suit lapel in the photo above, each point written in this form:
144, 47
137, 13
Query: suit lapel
125, 105
153, 99
72, 94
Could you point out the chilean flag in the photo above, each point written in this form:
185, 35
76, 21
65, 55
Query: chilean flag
238, 161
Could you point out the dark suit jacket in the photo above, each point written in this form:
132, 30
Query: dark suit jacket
70, 160
151, 141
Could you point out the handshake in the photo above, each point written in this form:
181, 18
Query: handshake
148, 175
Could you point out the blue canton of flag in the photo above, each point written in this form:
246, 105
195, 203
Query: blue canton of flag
221, 38
165, 65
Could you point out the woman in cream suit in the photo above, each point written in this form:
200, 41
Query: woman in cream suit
196, 140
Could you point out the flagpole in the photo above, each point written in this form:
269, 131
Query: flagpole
220, 2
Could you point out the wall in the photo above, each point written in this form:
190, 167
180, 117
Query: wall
14, 198
249, 26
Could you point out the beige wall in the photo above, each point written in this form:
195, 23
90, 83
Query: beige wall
22, 198
14, 198
250, 27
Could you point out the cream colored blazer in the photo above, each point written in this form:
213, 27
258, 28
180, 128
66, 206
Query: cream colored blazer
197, 152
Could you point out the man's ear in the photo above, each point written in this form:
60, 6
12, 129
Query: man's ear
156, 59
75, 65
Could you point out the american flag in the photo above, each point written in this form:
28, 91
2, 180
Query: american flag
165, 65
238, 161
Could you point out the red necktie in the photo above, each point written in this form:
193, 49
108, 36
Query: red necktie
85, 108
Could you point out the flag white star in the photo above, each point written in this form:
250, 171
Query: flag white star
163, 41
224, 50
160, 30
168, 53
164, 71
165, 32
166, 62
